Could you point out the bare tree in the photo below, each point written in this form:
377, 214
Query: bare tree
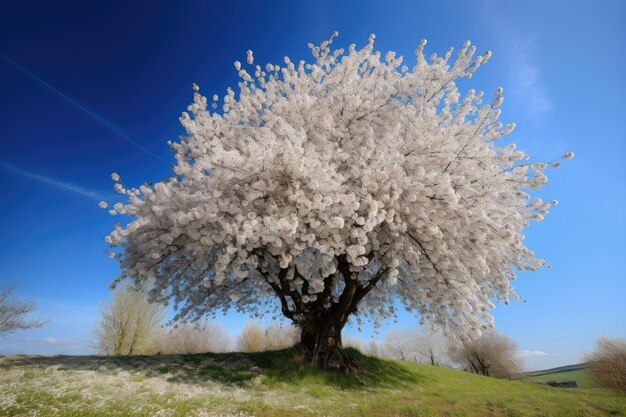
129, 325
398, 345
431, 347
607, 363
189, 338
372, 348
419, 345
279, 337
492, 354
252, 338
13, 312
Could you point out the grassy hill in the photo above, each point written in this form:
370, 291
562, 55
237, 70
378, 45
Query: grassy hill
575, 372
557, 370
274, 384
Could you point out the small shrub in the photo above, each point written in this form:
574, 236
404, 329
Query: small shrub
252, 338
279, 337
190, 338
607, 363
129, 324
492, 354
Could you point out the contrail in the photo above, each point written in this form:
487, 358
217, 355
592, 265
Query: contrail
77, 189
104, 122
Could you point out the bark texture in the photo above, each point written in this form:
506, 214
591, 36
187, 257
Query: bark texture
322, 320
321, 344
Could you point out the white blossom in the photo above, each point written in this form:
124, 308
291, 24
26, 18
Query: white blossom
348, 170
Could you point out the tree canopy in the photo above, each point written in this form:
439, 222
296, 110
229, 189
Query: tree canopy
338, 187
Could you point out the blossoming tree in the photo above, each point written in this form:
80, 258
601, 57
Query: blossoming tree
333, 189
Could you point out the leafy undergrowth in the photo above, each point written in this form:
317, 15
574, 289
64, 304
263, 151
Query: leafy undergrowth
275, 383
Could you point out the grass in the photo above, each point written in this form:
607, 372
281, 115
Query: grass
581, 376
576, 373
275, 384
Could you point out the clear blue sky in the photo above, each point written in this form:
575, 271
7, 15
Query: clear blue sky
99, 88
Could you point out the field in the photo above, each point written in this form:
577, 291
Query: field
274, 384
565, 373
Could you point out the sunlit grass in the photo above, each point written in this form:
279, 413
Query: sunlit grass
565, 373
275, 384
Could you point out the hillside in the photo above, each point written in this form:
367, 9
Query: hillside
557, 370
274, 384
576, 372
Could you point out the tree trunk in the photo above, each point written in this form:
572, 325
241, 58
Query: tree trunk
322, 320
321, 344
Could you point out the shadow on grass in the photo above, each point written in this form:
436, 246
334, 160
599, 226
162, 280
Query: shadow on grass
281, 366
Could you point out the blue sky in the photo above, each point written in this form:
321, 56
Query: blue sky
90, 89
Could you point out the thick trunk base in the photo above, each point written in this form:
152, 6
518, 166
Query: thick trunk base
322, 319
321, 346
334, 359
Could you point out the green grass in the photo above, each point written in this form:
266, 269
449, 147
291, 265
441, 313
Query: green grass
566, 368
582, 378
276, 384
565, 373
